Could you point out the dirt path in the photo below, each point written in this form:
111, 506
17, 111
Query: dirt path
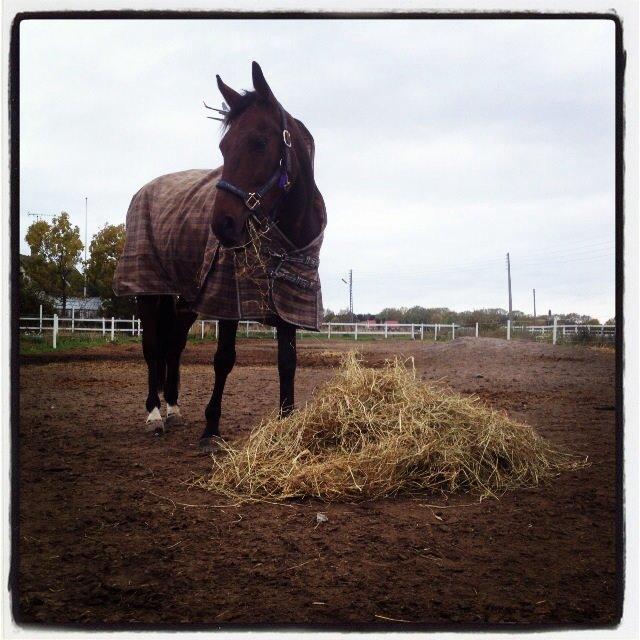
110, 532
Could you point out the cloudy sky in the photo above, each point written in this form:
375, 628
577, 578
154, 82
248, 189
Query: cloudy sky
440, 145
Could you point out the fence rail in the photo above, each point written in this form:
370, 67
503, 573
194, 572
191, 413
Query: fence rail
133, 327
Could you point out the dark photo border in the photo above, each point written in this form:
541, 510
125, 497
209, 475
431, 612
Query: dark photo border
14, 152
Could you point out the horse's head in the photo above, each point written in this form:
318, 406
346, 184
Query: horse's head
259, 159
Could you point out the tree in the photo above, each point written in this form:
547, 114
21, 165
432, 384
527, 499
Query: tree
55, 251
32, 296
105, 249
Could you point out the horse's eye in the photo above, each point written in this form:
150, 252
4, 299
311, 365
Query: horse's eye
258, 144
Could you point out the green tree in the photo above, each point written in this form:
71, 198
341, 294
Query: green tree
105, 249
32, 296
55, 251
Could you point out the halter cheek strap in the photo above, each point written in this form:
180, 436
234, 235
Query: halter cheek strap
253, 199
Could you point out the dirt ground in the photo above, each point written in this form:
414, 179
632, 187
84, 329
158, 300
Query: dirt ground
110, 531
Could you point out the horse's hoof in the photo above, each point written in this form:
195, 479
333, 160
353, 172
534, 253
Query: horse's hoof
173, 420
154, 426
154, 423
210, 444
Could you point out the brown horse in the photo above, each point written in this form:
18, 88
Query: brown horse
188, 232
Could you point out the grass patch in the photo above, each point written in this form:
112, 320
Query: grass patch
42, 343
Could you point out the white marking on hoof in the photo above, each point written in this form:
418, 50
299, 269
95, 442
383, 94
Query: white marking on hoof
173, 410
154, 421
174, 417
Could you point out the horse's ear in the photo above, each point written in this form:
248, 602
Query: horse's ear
228, 93
259, 83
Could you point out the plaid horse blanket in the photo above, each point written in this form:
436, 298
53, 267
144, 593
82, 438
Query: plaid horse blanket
170, 249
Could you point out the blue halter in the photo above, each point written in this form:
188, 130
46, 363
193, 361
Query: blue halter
253, 199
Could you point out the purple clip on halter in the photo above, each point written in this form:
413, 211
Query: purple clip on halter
283, 182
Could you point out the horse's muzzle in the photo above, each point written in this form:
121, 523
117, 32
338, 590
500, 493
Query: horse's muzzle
228, 231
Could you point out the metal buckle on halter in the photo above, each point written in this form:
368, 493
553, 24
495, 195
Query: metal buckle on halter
252, 202
286, 136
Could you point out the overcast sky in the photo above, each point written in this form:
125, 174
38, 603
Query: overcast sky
440, 145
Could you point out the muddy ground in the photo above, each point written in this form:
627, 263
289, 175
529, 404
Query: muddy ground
111, 532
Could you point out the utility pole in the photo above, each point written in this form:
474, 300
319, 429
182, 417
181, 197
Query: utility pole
509, 280
534, 306
351, 293
350, 283
85, 247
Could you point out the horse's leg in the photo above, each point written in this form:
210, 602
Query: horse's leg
286, 365
149, 309
223, 362
182, 318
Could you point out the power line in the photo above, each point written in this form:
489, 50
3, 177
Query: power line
458, 270
530, 258
37, 216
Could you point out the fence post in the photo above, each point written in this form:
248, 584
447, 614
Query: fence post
104, 326
202, 329
386, 330
508, 329
139, 327
435, 333
476, 329
217, 323
453, 330
555, 329
113, 328
564, 330
133, 325
40, 318
55, 330
73, 319
355, 334
413, 335
329, 332
421, 332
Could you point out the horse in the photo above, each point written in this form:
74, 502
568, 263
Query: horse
191, 249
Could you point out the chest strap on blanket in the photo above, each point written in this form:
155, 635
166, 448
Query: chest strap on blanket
307, 261
299, 281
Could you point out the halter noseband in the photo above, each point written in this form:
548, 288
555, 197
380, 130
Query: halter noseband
253, 199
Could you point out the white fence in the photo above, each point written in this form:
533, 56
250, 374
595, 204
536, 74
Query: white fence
124, 326
572, 331
133, 327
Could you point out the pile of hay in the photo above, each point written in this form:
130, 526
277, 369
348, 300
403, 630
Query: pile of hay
370, 433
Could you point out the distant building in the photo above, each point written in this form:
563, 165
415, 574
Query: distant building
372, 322
82, 307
